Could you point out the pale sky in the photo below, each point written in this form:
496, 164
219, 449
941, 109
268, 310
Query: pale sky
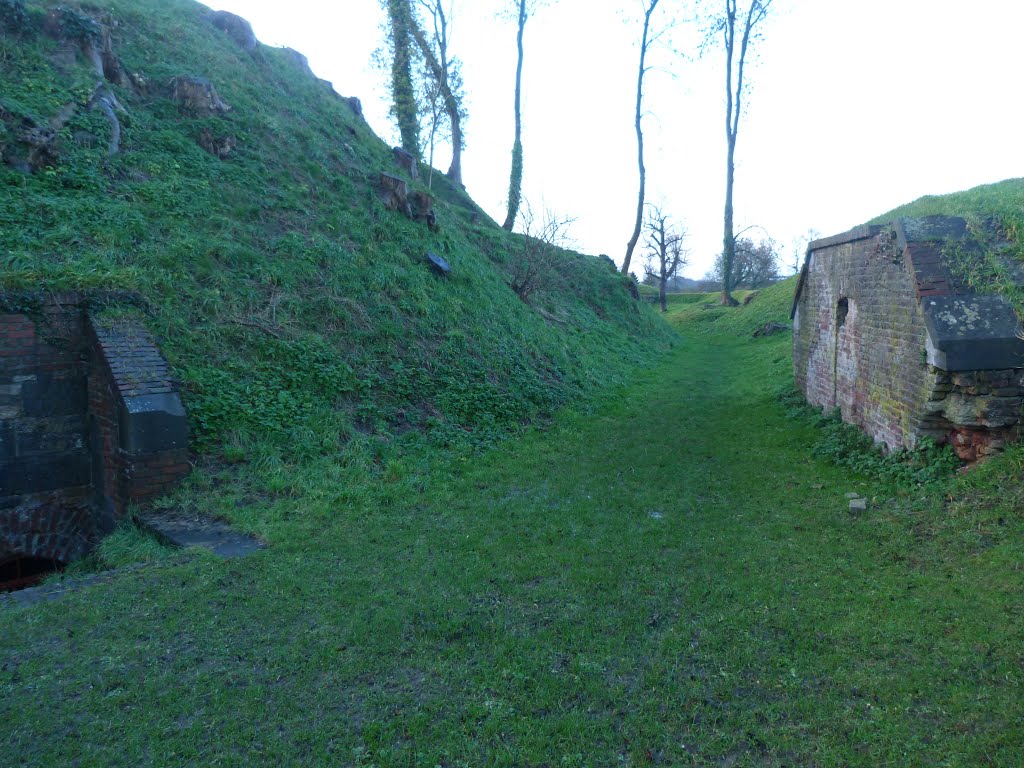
854, 108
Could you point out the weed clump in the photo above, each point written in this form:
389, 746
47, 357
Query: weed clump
847, 446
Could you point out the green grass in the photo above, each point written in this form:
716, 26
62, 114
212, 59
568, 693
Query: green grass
297, 311
703, 313
667, 576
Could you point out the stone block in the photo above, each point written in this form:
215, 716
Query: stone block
153, 423
44, 473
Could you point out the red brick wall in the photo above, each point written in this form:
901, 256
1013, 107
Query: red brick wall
871, 367
874, 367
65, 474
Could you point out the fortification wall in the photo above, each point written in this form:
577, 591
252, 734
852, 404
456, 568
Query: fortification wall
859, 336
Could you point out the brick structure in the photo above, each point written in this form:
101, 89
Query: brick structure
90, 420
885, 330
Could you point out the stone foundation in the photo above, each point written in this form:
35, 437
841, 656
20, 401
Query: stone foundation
977, 412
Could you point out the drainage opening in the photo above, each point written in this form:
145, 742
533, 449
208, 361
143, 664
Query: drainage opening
21, 572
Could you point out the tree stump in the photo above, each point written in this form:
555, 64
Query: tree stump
198, 97
395, 194
423, 209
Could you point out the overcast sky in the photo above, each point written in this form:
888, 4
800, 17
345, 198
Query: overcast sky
854, 108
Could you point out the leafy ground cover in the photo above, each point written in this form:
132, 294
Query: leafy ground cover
293, 305
668, 575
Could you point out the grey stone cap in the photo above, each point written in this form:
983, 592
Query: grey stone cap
973, 332
862, 232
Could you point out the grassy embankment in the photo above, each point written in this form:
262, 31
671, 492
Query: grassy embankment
669, 576
299, 313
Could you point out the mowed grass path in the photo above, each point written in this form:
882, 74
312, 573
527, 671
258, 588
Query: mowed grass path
666, 579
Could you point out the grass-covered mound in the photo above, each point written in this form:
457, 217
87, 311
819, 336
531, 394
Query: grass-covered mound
296, 309
702, 313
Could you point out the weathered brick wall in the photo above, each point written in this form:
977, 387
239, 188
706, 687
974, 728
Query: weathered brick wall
43, 440
861, 343
44, 447
137, 413
869, 363
90, 420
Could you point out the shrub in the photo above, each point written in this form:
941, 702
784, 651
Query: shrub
13, 16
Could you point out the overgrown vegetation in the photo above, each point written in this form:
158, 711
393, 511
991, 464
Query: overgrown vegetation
847, 446
995, 217
296, 309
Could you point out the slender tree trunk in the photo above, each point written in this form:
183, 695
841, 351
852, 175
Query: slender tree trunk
664, 290
403, 95
640, 141
733, 109
728, 236
728, 239
455, 169
515, 184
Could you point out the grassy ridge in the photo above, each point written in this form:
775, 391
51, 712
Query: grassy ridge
297, 310
700, 313
1003, 200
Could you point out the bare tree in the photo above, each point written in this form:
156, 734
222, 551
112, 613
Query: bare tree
445, 82
800, 244
737, 29
754, 265
665, 253
515, 183
645, 43
533, 262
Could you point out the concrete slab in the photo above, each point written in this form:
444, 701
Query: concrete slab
190, 530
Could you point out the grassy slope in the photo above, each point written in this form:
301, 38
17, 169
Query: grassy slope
667, 577
1003, 200
298, 312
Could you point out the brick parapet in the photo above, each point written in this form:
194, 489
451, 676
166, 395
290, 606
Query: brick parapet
133, 359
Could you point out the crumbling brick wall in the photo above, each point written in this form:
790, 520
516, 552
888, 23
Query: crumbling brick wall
859, 337
978, 412
862, 342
